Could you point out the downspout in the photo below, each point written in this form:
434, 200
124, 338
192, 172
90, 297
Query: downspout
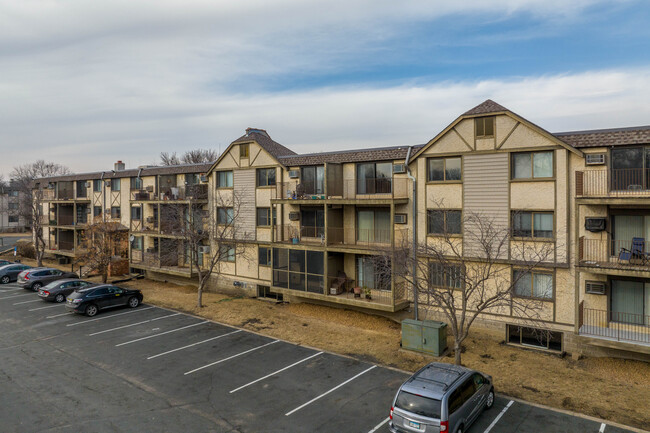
103, 197
414, 218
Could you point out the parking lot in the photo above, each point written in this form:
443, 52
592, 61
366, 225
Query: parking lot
154, 370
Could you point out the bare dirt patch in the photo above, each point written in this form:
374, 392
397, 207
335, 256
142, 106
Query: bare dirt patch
613, 389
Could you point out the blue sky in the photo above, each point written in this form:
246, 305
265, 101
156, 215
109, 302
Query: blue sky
87, 83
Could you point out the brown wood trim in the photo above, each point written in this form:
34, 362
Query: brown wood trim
464, 141
508, 135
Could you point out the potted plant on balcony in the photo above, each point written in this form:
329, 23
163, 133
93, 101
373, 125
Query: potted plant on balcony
368, 292
357, 292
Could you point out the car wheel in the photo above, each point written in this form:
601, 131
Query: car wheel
489, 402
59, 298
36, 286
5, 279
133, 302
460, 429
91, 310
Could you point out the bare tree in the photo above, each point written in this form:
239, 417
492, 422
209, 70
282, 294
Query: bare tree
481, 272
210, 234
103, 243
196, 156
32, 197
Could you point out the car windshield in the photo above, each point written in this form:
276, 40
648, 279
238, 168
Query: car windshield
419, 405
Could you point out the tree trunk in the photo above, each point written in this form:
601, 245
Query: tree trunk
457, 350
199, 302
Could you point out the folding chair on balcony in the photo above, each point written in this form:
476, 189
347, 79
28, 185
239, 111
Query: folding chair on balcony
636, 252
338, 285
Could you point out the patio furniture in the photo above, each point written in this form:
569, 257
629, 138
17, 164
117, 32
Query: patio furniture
338, 284
636, 252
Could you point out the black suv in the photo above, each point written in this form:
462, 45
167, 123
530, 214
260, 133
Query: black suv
89, 301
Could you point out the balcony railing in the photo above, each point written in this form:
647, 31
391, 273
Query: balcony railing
338, 236
351, 289
190, 192
373, 188
613, 254
613, 183
615, 326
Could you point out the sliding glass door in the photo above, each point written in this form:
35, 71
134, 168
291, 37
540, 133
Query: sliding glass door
630, 302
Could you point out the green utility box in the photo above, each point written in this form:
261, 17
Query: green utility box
425, 336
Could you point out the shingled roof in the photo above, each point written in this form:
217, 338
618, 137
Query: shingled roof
264, 139
150, 170
355, 155
486, 107
606, 137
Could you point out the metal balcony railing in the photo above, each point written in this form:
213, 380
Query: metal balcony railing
618, 254
189, 192
611, 325
359, 189
613, 183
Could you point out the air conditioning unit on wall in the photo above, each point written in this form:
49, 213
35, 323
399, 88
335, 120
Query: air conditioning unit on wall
595, 159
294, 174
294, 216
399, 168
400, 218
595, 287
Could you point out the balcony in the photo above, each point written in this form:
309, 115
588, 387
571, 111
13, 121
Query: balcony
614, 183
148, 226
338, 236
611, 254
151, 260
172, 193
614, 327
349, 189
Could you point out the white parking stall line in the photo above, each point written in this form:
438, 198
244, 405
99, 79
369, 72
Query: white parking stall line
108, 317
378, 426
496, 420
276, 372
67, 313
16, 296
132, 324
194, 344
12, 290
43, 308
162, 333
602, 427
231, 357
330, 391
27, 302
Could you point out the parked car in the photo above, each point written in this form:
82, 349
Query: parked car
58, 290
35, 278
4, 262
441, 398
10, 273
90, 300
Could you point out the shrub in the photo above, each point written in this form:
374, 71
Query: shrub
26, 249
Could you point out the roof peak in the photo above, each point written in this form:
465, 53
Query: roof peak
486, 107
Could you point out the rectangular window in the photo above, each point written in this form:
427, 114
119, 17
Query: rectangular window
373, 225
225, 215
97, 210
441, 222
136, 213
312, 222
444, 169
13, 193
227, 253
264, 256
532, 165
630, 302
263, 216
299, 270
97, 185
137, 243
448, 276
375, 178
373, 273
484, 127
116, 212
244, 150
13, 206
13, 218
116, 184
136, 183
265, 176
533, 337
313, 180
532, 224
533, 284
224, 179
81, 189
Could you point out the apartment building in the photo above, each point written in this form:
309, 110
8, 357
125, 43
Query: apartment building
11, 217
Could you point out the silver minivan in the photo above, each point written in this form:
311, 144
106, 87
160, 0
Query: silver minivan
441, 398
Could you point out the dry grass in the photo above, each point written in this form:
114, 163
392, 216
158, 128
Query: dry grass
612, 389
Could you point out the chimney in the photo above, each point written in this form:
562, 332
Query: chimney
119, 166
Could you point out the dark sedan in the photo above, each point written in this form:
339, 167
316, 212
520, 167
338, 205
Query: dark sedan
89, 301
57, 291
35, 278
4, 262
10, 273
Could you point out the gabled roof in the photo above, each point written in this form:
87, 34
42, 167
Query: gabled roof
606, 137
150, 170
490, 107
342, 156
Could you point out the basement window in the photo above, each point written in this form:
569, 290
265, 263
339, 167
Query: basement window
534, 338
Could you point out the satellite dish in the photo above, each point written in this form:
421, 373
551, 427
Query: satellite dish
131, 238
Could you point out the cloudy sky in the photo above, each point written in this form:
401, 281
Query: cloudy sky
85, 83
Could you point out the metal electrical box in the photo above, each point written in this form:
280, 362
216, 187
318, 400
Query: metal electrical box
425, 336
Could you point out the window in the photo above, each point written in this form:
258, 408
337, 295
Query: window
312, 222
244, 150
225, 215
630, 301
227, 253
81, 189
313, 180
13, 219
484, 127
224, 179
264, 256
13, 206
630, 168
532, 165
13, 193
116, 184
97, 185
116, 212
532, 337
461, 395
446, 276
97, 210
532, 224
441, 222
136, 213
533, 284
265, 176
374, 178
263, 216
444, 169
136, 183
373, 225
373, 272
137, 243
299, 270
418, 404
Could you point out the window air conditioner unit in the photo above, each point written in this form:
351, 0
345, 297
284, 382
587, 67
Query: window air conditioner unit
205, 249
400, 218
151, 219
595, 159
88, 210
204, 178
595, 224
88, 184
595, 288
399, 168
294, 216
149, 188
108, 183
151, 250
294, 174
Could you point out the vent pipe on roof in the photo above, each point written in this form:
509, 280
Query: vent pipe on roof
119, 166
